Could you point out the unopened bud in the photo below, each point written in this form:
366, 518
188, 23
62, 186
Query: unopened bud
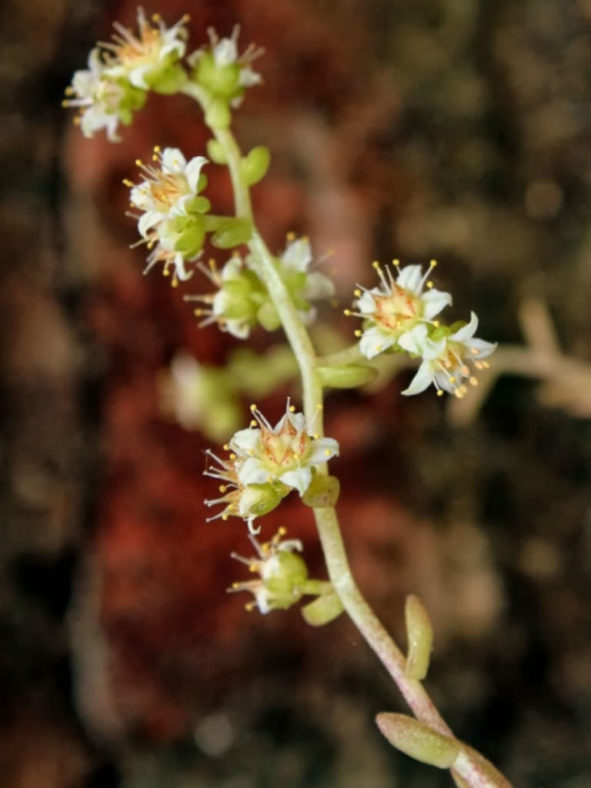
254, 166
259, 499
268, 317
419, 633
322, 610
418, 740
346, 376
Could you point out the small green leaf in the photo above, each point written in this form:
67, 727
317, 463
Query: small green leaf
419, 633
323, 610
254, 166
418, 740
216, 152
346, 376
323, 491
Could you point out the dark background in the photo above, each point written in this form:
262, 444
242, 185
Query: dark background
457, 130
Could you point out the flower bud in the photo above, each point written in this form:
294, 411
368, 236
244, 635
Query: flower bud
322, 610
268, 317
254, 166
260, 499
346, 376
419, 633
418, 740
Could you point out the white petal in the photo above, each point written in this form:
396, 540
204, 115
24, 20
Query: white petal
465, 333
297, 421
318, 286
299, 479
193, 171
137, 75
225, 52
297, 255
483, 348
237, 328
231, 269
245, 441
252, 471
411, 278
147, 221
366, 304
248, 77
180, 270
373, 342
323, 450
422, 380
141, 196
173, 160
434, 301
413, 341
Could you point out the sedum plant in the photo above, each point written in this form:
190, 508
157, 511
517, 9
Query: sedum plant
400, 313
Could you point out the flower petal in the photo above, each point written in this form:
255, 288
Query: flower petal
422, 380
245, 441
434, 301
173, 161
322, 451
297, 255
193, 171
465, 333
373, 342
411, 279
252, 471
299, 479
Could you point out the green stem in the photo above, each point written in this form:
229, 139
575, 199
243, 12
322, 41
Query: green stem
329, 531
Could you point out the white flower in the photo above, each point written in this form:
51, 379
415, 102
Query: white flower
282, 574
303, 284
142, 58
396, 306
284, 453
98, 98
167, 190
447, 360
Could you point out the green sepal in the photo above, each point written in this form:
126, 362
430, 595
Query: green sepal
323, 491
190, 235
254, 166
322, 610
260, 499
216, 152
346, 376
218, 80
268, 317
233, 232
199, 204
168, 80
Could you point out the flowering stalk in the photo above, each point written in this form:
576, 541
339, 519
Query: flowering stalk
266, 462
326, 519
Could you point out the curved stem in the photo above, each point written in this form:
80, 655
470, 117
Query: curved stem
339, 571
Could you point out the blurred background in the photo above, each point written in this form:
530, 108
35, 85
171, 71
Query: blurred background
453, 129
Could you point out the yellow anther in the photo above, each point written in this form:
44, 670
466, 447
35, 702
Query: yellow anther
77, 120
358, 333
198, 312
396, 262
222, 488
292, 409
485, 364
319, 406
440, 392
253, 423
375, 265
433, 263
316, 436
156, 17
290, 236
250, 606
436, 323
139, 163
452, 379
357, 293
224, 517
347, 312
157, 149
69, 91
175, 281
327, 452
226, 447
465, 370
473, 381
165, 271
429, 284
232, 456
127, 182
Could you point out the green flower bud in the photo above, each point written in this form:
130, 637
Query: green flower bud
219, 80
322, 610
418, 740
268, 317
190, 235
254, 166
216, 152
168, 80
419, 633
260, 499
346, 376
323, 491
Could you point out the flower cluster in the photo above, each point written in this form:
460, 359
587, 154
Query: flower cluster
399, 316
120, 72
266, 463
221, 71
282, 574
241, 300
171, 217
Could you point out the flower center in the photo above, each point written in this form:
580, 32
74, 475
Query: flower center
166, 188
133, 51
285, 450
397, 309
